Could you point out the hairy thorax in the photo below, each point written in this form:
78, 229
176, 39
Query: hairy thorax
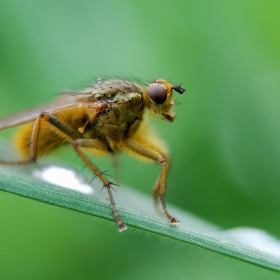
119, 121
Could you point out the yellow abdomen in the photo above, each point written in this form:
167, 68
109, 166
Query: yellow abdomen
49, 138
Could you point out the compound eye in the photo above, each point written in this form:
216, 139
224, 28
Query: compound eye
157, 93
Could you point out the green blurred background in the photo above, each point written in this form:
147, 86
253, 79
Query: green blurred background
224, 142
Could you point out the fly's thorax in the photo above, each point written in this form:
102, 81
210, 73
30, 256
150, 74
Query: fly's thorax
158, 98
128, 110
114, 90
114, 124
121, 112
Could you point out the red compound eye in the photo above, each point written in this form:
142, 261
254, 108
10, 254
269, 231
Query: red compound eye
157, 93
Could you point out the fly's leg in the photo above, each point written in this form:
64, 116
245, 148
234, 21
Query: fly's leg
35, 132
33, 145
116, 165
156, 187
156, 193
62, 126
160, 186
93, 143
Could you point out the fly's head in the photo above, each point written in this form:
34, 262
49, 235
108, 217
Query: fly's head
158, 98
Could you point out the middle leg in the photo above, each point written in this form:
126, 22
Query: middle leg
98, 145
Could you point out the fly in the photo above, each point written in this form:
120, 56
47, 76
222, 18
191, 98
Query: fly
107, 118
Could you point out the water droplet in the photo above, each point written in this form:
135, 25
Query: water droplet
99, 80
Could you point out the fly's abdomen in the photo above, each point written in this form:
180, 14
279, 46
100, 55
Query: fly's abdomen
49, 138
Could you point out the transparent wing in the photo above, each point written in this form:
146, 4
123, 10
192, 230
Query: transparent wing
64, 101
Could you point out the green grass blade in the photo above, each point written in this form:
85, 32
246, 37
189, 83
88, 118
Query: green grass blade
192, 230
